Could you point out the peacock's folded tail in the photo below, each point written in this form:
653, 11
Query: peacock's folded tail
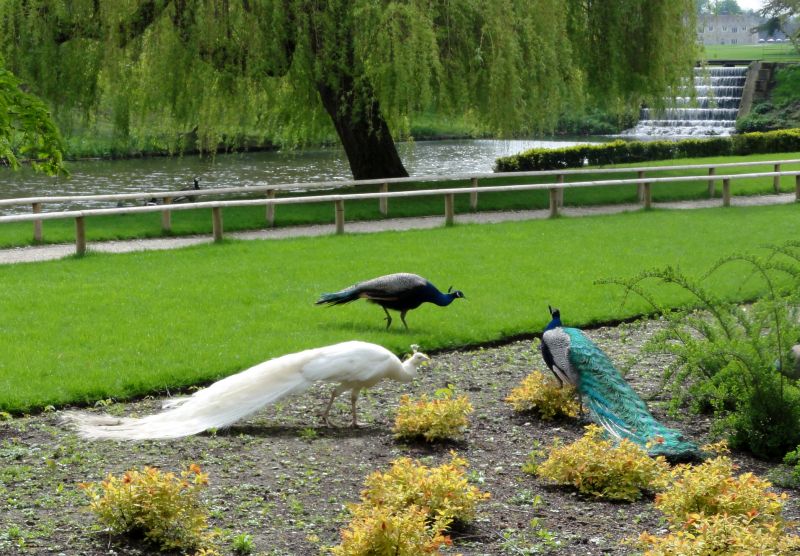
615, 406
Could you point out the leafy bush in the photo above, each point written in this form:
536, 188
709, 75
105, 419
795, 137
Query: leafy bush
164, 509
594, 465
406, 510
722, 534
440, 491
622, 152
710, 511
382, 530
734, 360
542, 395
711, 488
440, 418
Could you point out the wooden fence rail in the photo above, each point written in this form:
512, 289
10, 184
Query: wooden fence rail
339, 199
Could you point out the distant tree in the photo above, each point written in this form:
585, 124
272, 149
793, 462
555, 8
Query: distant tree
783, 16
297, 70
26, 129
725, 7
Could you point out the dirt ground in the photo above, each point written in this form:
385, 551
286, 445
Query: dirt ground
284, 479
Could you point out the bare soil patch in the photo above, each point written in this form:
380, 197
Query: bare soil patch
285, 479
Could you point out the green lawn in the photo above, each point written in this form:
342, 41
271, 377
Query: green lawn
199, 222
82, 329
775, 52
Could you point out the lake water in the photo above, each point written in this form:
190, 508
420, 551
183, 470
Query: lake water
421, 158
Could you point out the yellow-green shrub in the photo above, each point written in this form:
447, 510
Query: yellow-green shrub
710, 488
735, 535
406, 510
712, 512
440, 418
542, 395
440, 491
164, 509
596, 466
383, 530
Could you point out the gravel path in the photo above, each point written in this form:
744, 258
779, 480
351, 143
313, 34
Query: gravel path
50, 252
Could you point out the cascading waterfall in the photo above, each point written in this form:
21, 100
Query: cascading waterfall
712, 111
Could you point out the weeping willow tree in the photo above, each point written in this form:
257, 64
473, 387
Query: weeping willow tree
296, 70
26, 129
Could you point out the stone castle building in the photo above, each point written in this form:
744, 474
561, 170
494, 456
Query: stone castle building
727, 29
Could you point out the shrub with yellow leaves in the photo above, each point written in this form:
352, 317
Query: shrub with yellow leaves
441, 491
384, 530
595, 465
710, 511
164, 509
407, 509
542, 395
710, 488
441, 418
737, 535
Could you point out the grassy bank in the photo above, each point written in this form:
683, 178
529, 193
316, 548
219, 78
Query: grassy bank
773, 52
78, 330
199, 222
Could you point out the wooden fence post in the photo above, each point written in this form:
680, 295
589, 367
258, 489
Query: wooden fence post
37, 224
339, 216
216, 223
449, 209
776, 180
640, 187
553, 202
166, 216
726, 192
560, 198
383, 202
473, 195
80, 236
647, 194
711, 183
270, 209
797, 188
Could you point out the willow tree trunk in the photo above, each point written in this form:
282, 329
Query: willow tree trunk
363, 132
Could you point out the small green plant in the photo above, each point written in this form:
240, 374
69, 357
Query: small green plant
5, 416
594, 465
407, 509
308, 434
711, 511
243, 544
542, 395
788, 474
441, 418
161, 507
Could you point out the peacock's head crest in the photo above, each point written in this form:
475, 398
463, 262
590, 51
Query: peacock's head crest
416, 359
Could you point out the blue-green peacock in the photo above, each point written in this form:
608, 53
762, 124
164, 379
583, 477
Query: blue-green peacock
611, 402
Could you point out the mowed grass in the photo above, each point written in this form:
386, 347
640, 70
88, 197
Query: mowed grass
82, 329
248, 218
777, 52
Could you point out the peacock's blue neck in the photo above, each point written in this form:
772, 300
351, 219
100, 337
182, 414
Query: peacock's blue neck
555, 323
443, 299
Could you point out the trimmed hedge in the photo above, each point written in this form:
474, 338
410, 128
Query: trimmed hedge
622, 152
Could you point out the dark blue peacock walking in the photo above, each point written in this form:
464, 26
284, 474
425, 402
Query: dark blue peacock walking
575, 359
399, 292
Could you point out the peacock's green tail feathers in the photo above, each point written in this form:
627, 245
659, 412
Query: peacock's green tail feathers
614, 404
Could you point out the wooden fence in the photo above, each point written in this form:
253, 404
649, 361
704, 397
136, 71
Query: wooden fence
270, 201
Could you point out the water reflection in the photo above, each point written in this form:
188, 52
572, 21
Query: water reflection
421, 158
